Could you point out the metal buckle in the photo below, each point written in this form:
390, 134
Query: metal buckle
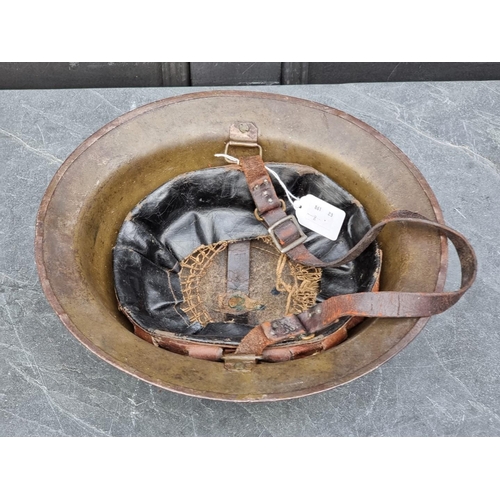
258, 216
295, 243
243, 145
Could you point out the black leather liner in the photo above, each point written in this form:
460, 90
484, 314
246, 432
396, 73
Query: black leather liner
211, 205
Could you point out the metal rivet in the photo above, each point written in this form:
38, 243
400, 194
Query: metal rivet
269, 200
265, 181
265, 193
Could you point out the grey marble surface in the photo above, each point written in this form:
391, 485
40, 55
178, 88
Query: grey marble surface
445, 383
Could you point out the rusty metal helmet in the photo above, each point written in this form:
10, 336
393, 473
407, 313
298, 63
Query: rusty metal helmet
228, 295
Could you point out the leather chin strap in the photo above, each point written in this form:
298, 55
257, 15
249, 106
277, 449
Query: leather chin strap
369, 304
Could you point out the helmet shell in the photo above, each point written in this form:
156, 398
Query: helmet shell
107, 175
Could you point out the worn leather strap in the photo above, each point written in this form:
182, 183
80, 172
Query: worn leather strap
270, 208
368, 304
238, 280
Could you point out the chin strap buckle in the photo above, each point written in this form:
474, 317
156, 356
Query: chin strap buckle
301, 235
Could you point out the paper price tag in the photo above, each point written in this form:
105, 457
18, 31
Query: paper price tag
319, 216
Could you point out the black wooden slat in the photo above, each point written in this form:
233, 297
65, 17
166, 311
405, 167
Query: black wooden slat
79, 75
235, 73
329, 72
176, 74
94, 75
294, 73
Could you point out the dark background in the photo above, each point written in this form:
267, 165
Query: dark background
177, 74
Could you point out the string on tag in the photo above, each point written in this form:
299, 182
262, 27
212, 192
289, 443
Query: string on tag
311, 211
231, 159
228, 158
314, 213
282, 184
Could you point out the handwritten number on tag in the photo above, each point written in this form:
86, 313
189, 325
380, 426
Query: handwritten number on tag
319, 216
